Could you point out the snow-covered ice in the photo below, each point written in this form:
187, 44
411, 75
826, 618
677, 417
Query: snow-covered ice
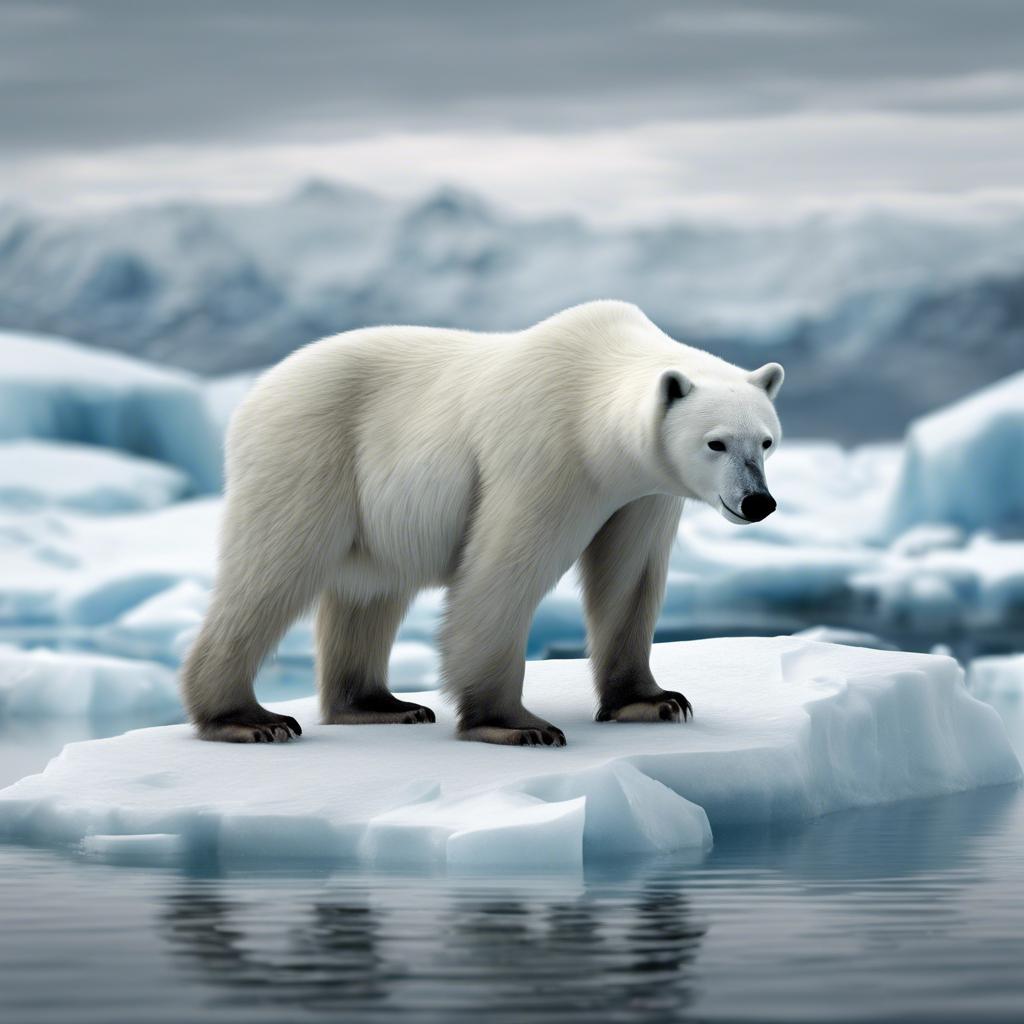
784, 729
54, 389
37, 475
42, 683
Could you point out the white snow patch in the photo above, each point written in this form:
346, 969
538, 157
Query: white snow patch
784, 729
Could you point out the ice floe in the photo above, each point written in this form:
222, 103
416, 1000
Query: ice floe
43, 683
784, 729
39, 475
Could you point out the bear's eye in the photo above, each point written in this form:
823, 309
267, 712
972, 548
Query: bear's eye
716, 446
767, 443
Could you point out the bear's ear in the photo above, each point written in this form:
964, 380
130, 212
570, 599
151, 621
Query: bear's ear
674, 385
768, 377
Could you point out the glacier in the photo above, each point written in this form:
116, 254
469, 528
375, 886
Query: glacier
785, 729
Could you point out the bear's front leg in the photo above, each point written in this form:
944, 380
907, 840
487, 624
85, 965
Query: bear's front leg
520, 544
624, 569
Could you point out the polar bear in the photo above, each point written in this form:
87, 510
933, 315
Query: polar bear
370, 465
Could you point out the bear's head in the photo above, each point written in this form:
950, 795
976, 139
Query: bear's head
716, 434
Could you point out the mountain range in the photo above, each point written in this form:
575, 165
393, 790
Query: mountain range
878, 315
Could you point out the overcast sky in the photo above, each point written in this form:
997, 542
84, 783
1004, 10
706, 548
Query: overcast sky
626, 110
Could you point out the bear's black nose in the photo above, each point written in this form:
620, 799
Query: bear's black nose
758, 506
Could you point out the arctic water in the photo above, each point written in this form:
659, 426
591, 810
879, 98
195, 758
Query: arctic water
907, 912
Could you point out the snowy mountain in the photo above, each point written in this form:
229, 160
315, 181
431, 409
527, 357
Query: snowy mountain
223, 287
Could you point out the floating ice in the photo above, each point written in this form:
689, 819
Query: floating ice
62, 684
784, 729
160, 627
962, 464
79, 572
36, 475
52, 388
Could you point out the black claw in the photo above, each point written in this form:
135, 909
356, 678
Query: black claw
664, 712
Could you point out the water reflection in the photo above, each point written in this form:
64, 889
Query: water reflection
460, 947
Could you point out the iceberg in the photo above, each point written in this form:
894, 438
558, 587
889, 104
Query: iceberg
785, 729
54, 389
962, 464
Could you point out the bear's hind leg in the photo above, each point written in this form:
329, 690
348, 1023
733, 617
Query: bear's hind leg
218, 674
354, 641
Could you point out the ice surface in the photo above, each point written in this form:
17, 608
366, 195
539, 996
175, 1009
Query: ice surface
37, 475
42, 683
54, 389
784, 729
962, 464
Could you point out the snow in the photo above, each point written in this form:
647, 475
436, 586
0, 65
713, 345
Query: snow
43, 683
962, 464
37, 475
785, 729
53, 389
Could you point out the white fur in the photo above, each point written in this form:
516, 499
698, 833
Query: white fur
373, 464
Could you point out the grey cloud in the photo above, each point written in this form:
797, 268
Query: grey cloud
109, 73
